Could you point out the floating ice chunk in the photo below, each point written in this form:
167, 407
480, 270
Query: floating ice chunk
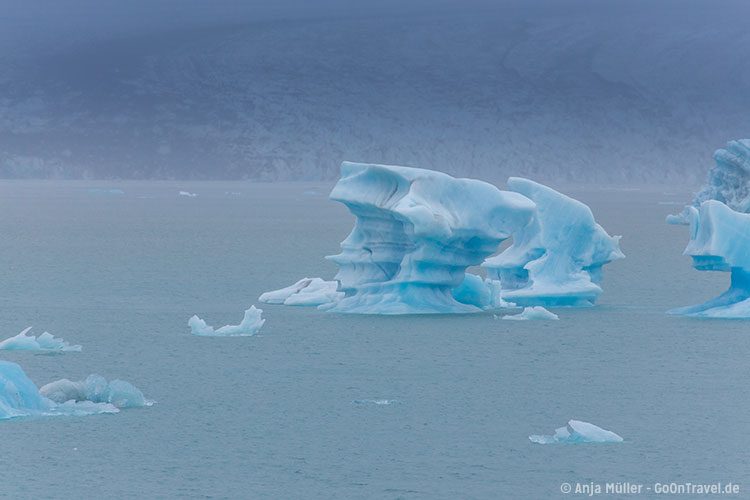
577, 432
305, 292
96, 389
557, 258
534, 312
416, 233
188, 194
45, 342
251, 323
20, 397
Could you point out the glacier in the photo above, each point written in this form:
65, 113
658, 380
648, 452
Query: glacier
418, 231
305, 292
533, 313
20, 397
250, 325
720, 232
577, 432
95, 389
557, 259
46, 342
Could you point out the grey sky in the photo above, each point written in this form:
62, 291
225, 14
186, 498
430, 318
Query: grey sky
575, 91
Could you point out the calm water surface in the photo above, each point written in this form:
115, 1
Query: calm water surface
273, 416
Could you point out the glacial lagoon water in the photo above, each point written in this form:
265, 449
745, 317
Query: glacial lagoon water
297, 411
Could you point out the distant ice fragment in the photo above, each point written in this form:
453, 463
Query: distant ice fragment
96, 389
305, 292
45, 342
534, 312
20, 397
556, 259
377, 402
251, 323
577, 432
188, 194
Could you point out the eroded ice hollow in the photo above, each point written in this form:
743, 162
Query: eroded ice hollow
720, 232
418, 231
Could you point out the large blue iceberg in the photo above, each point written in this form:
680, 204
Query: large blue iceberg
20, 397
418, 231
720, 232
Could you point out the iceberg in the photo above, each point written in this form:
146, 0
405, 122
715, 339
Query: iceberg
251, 323
720, 232
534, 312
187, 194
720, 241
557, 258
45, 342
95, 389
416, 232
20, 397
305, 292
577, 432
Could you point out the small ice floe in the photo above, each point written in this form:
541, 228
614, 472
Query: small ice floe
188, 194
377, 402
46, 342
577, 432
20, 397
95, 389
251, 323
535, 312
305, 292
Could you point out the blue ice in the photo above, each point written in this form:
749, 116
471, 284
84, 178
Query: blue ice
46, 342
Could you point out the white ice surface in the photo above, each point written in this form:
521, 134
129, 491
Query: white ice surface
532, 313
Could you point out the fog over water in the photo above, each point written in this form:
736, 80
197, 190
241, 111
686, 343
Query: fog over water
597, 92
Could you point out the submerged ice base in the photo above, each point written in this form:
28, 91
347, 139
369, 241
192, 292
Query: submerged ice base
577, 432
46, 342
250, 325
